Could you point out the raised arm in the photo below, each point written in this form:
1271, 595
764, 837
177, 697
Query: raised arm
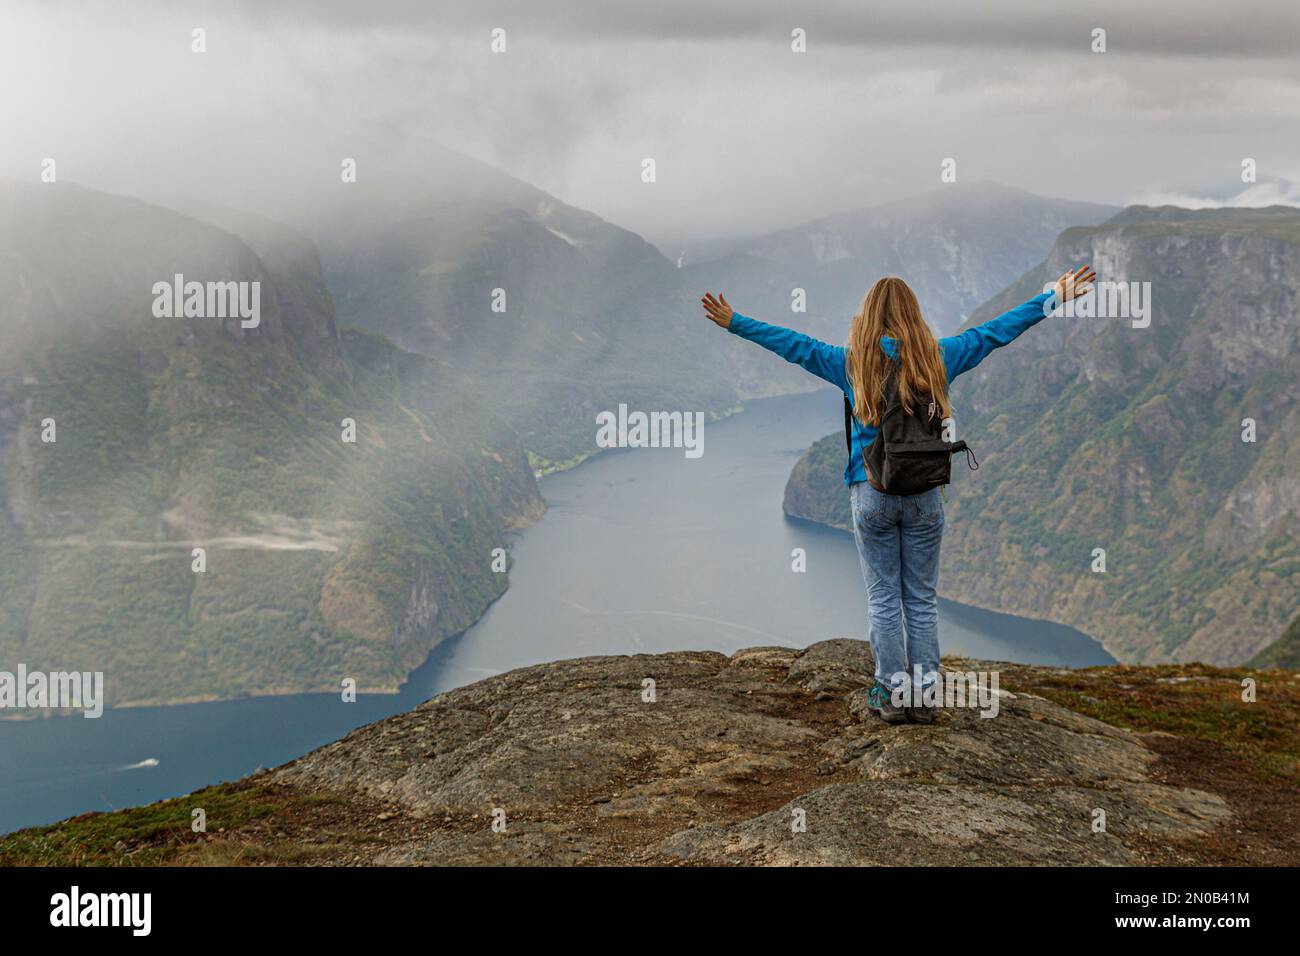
964, 351
824, 361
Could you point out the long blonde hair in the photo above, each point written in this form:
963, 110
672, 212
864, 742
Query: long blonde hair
890, 308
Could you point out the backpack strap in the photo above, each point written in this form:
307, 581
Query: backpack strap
848, 425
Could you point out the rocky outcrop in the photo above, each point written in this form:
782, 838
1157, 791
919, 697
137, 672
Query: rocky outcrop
700, 758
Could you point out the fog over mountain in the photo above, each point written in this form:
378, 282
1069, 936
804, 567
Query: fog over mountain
128, 440
748, 137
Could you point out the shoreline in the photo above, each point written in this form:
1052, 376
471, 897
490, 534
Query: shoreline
964, 605
391, 690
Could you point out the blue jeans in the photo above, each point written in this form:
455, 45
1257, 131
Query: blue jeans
898, 544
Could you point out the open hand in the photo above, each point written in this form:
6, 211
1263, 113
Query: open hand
717, 309
1074, 284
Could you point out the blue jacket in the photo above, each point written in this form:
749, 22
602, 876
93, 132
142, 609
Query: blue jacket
961, 353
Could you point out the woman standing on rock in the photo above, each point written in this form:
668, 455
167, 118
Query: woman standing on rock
894, 371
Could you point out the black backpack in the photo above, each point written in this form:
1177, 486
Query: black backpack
909, 455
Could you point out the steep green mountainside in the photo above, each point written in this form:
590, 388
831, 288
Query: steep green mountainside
1284, 652
590, 319
1094, 434
815, 490
325, 559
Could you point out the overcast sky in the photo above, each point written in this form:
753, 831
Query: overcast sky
747, 136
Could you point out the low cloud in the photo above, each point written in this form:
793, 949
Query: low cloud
747, 136
1256, 195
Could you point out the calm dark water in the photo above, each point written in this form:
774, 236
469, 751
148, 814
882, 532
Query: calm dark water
640, 551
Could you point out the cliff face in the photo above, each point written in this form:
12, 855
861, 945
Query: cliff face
324, 559
764, 757
1284, 652
1094, 434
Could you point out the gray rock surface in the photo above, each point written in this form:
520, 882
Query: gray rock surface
580, 765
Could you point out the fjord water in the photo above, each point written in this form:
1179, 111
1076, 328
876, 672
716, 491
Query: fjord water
640, 551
